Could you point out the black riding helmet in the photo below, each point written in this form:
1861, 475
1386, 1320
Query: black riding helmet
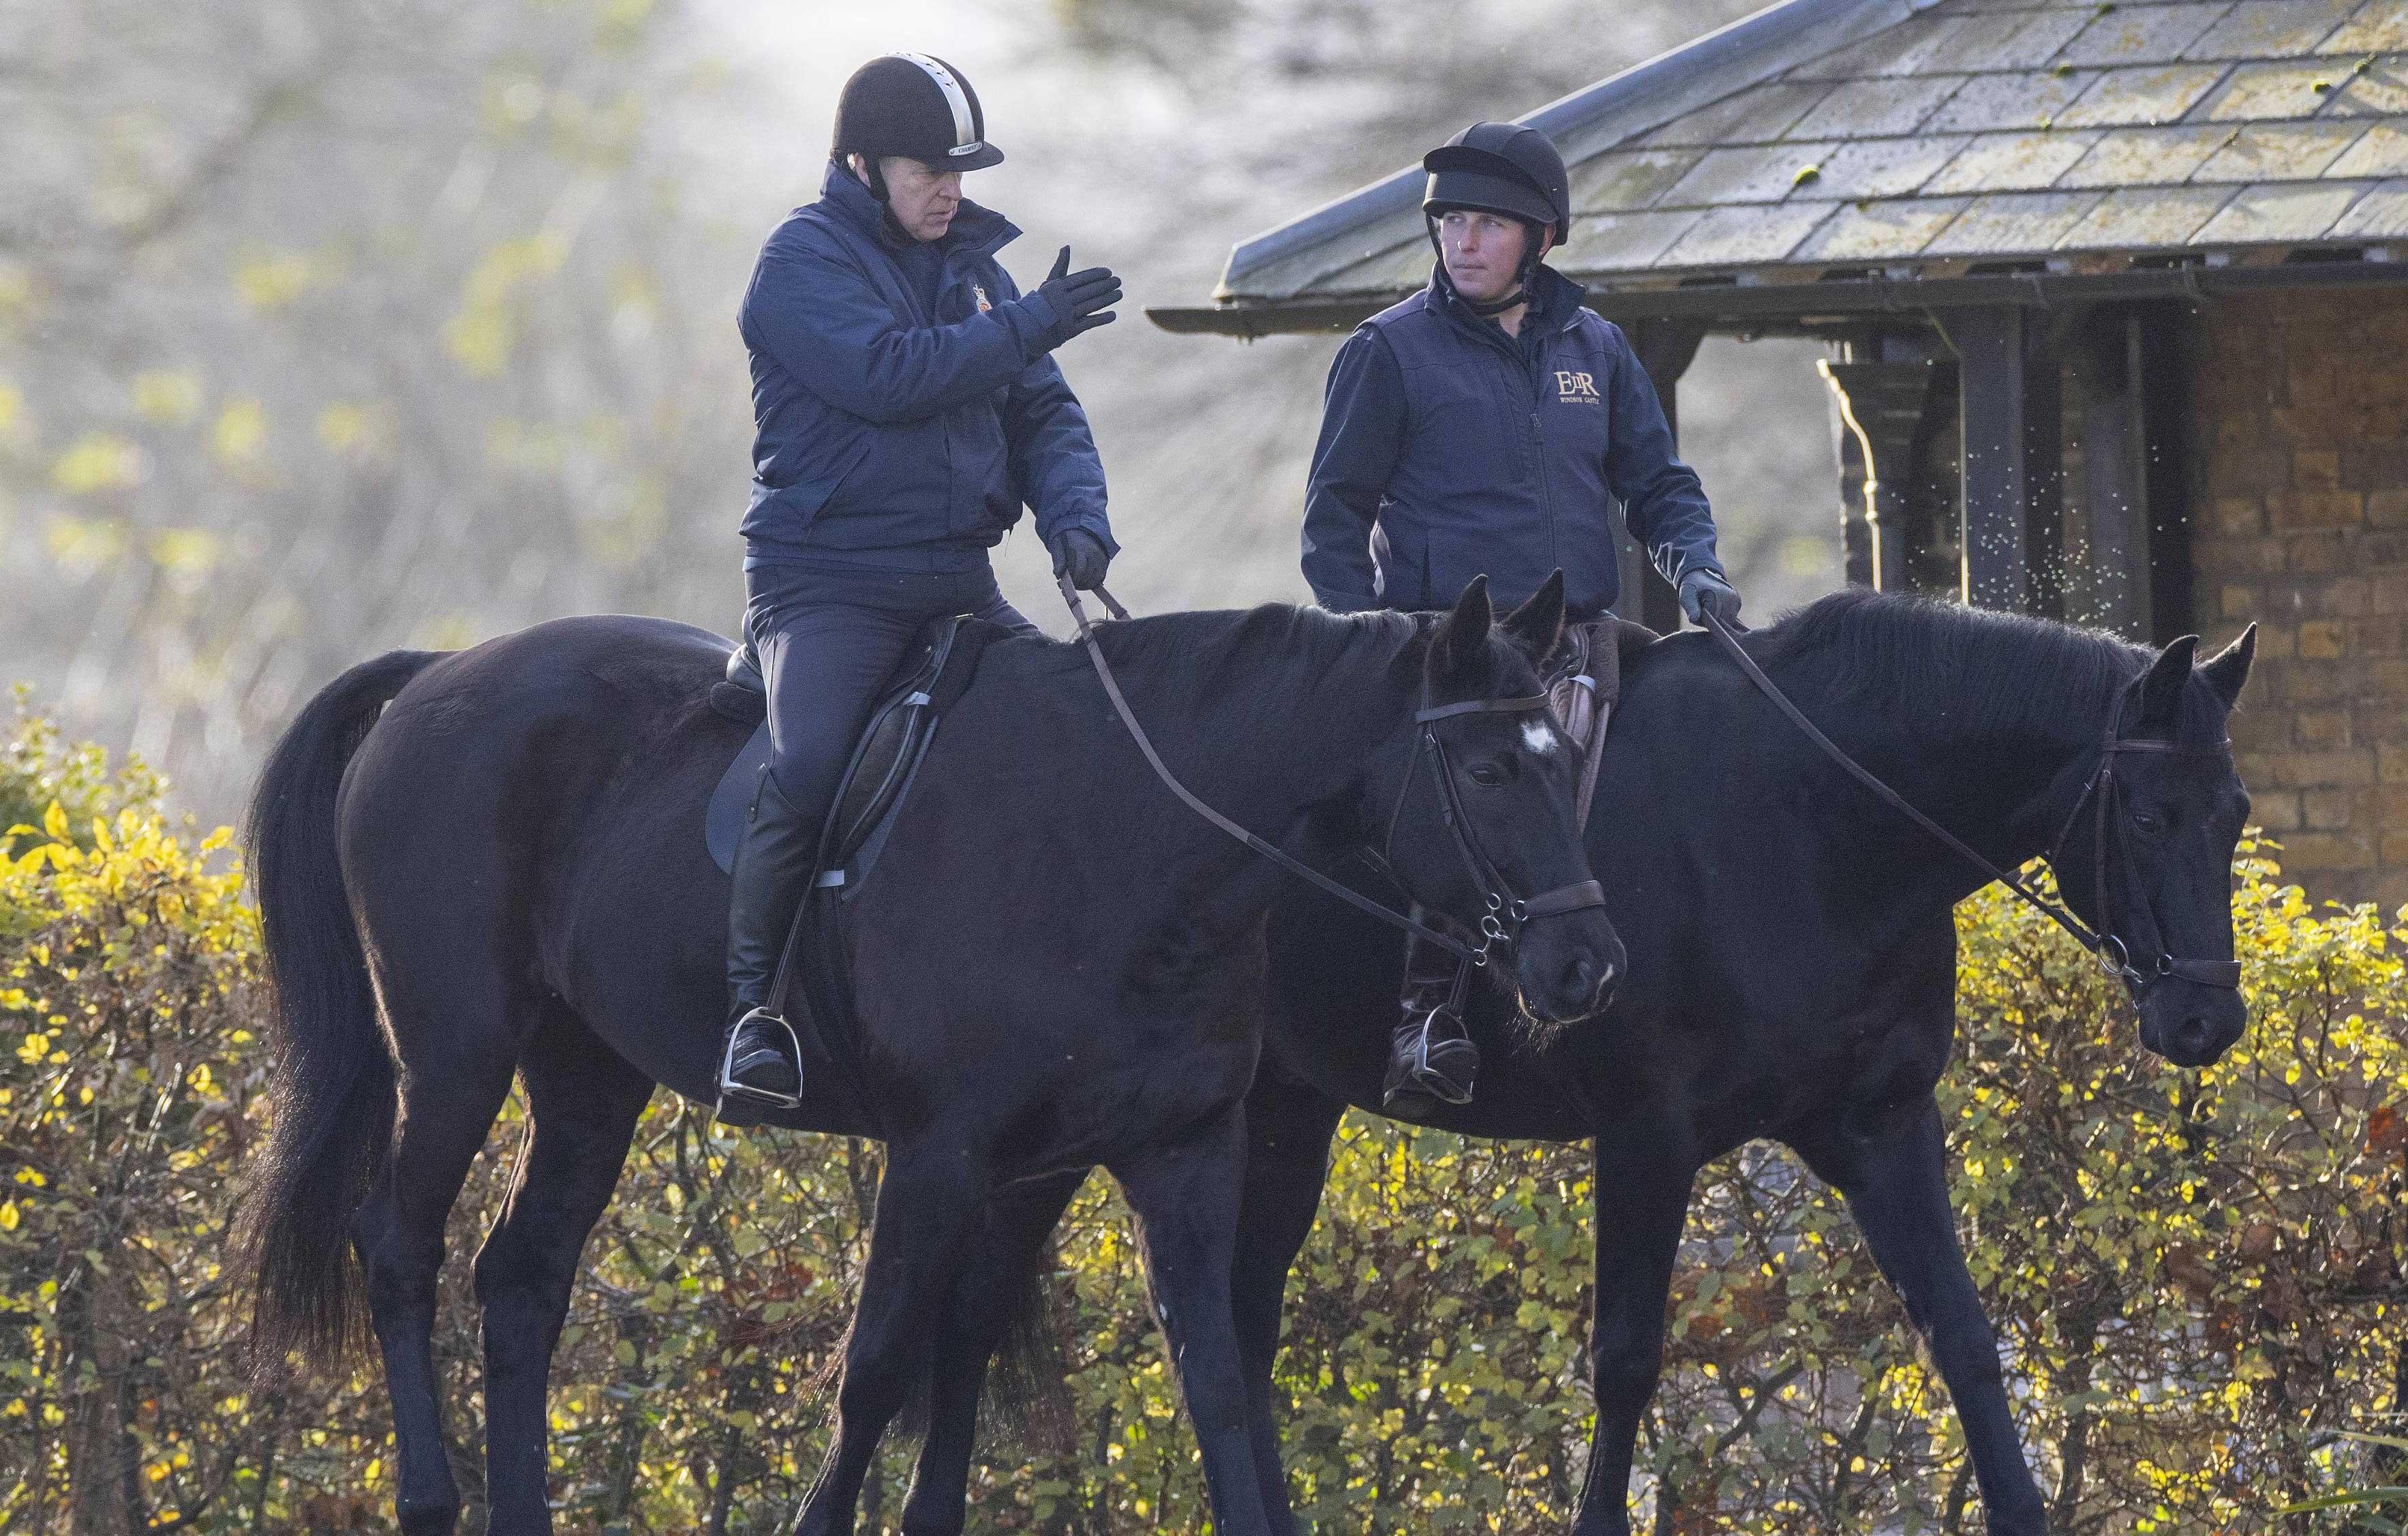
1502, 169
915, 105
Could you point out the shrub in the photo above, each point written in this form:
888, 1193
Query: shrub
2196, 1276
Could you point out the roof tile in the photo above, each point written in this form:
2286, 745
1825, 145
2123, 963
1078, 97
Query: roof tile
2134, 218
2129, 157
1752, 174
1756, 115
1888, 228
2152, 93
2384, 151
2380, 27
1613, 241
1729, 235
2272, 29
1628, 178
2383, 211
2382, 89
2143, 34
2280, 151
2012, 162
2011, 223
1884, 167
2282, 89
1404, 266
2273, 212
1867, 109
2027, 100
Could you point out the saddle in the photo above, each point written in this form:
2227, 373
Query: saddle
1584, 685
935, 673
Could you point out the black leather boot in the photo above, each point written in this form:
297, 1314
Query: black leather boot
1432, 1060
774, 865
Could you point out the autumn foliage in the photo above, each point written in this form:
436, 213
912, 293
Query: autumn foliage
2196, 1276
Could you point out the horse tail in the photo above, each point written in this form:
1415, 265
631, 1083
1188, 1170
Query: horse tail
1028, 1387
332, 1096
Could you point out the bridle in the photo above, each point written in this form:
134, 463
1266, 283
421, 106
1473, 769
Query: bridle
2097, 792
1506, 913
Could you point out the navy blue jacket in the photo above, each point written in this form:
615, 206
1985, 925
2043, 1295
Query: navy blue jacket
891, 437
1449, 449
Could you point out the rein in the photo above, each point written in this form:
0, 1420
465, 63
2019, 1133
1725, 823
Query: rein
1502, 906
2099, 789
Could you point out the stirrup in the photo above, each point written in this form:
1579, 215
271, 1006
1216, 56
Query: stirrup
730, 1086
1429, 1079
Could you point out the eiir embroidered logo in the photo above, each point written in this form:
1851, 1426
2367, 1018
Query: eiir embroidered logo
983, 305
1576, 389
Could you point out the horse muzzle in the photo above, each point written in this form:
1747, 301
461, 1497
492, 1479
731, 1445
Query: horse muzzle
1567, 967
2189, 1023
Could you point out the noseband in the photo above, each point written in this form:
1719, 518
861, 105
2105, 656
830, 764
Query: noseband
2098, 791
1506, 913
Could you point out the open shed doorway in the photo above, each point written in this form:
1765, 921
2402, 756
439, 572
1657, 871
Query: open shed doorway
1756, 424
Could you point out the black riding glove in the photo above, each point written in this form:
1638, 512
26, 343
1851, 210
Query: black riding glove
1703, 592
1081, 556
1080, 301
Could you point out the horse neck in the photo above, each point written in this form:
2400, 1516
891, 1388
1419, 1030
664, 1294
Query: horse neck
1270, 711
2002, 786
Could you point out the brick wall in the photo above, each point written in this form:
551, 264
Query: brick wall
2303, 527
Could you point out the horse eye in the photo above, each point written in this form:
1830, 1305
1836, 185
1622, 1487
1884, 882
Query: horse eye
2148, 822
1486, 775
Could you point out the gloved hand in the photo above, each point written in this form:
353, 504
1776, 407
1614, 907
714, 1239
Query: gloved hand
1083, 555
1080, 301
1702, 591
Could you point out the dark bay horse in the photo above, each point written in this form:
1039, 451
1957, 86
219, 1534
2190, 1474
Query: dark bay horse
1794, 971
1794, 964
490, 863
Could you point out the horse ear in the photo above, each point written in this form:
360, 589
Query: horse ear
2162, 687
1538, 622
1461, 641
2229, 669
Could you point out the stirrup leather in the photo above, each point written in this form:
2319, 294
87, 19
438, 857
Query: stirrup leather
731, 1086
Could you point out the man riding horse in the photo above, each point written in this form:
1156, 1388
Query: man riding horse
1487, 425
907, 406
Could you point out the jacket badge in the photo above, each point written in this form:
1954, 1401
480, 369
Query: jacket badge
984, 304
1576, 389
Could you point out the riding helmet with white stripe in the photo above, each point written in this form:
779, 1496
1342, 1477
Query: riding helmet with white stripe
915, 105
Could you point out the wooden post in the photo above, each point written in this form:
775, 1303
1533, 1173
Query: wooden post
1881, 406
1666, 348
2014, 458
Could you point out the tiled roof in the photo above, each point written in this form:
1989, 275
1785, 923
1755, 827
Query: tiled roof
1922, 141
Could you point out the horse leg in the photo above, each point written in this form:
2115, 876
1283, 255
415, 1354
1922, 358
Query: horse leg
452, 1082
1010, 1246
1185, 1197
582, 1100
1288, 1128
928, 1205
1642, 1202
1895, 1184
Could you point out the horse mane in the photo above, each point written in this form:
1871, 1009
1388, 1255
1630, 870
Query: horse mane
1277, 659
1985, 672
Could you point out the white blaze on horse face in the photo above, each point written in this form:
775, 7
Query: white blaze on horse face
1539, 735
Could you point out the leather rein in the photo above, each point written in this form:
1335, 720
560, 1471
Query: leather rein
2097, 792
1506, 913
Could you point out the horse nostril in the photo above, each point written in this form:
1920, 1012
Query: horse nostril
1580, 977
2192, 1034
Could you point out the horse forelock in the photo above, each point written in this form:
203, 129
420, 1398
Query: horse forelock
1977, 671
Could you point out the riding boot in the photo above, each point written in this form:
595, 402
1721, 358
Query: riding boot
1432, 1060
774, 864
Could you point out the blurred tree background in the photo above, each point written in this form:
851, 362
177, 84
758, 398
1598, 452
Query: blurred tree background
2197, 1277
332, 326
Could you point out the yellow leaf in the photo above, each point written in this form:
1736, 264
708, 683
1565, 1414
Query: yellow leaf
8, 1217
100, 837
54, 821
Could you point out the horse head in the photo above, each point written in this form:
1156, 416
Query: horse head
2147, 854
1481, 826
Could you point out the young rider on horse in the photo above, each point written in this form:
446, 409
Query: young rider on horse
1487, 423
907, 406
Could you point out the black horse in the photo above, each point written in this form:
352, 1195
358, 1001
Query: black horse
1794, 971
491, 863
